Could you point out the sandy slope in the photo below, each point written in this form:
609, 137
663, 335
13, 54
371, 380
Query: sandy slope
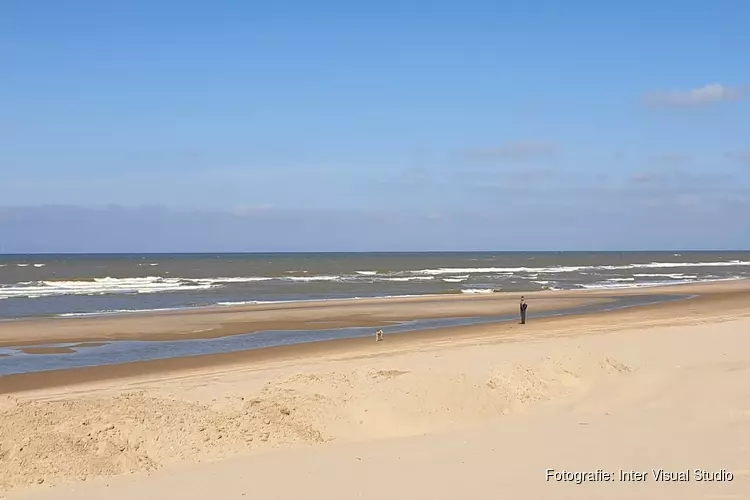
440, 417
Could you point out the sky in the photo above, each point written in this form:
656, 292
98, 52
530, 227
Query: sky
150, 126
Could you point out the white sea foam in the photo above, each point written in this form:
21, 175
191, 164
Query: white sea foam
665, 275
477, 290
648, 284
410, 278
727, 263
652, 273
239, 303
497, 270
571, 269
312, 278
100, 286
117, 311
236, 279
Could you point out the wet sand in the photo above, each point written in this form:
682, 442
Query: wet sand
46, 350
715, 300
59, 349
220, 322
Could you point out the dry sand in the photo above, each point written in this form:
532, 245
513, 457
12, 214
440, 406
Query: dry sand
477, 412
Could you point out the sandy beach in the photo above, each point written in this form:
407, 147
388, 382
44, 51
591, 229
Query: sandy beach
211, 322
472, 412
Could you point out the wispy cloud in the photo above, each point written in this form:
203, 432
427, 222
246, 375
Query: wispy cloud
245, 209
677, 179
514, 152
740, 156
673, 159
708, 94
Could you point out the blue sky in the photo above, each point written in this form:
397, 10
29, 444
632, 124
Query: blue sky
211, 126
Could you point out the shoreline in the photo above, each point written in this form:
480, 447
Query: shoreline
220, 321
709, 301
215, 322
58, 356
457, 293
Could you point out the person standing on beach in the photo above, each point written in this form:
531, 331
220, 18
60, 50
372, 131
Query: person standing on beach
524, 305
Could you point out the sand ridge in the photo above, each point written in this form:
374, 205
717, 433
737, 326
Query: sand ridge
48, 441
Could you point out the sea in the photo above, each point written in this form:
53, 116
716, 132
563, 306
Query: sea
79, 285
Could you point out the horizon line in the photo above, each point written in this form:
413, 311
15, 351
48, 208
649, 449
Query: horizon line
340, 252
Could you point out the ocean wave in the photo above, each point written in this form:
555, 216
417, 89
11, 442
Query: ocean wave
572, 269
666, 275
498, 270
647, 274
410, 278
117, 311
99, 286
311, 278
239, 303
477, 290
649, 284
236, 279
727, 263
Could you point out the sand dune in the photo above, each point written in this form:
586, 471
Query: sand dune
135, 431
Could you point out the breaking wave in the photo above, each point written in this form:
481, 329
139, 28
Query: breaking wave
365, 282
572, 269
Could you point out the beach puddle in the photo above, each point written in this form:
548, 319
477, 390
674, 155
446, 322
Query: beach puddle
59, 349
46, 350
28, 359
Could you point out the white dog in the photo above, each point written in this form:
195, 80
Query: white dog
379, 335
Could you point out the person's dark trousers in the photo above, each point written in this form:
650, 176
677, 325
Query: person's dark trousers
523, 317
